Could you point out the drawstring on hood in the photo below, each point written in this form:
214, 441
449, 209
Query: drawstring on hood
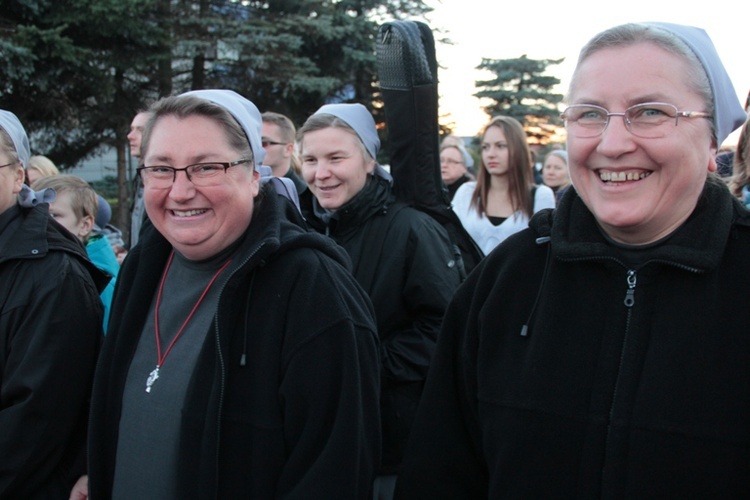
542, 240
246, 333
29, 198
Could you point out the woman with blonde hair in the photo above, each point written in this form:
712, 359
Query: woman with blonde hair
504, 197
555, 172
40, 166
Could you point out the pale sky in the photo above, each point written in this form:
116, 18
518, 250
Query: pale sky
553, 29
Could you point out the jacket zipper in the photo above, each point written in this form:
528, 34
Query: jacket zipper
629, 301
630, 294
222, 365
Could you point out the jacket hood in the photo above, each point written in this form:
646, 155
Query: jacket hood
100, 252
292, 231
375, 197
35, 234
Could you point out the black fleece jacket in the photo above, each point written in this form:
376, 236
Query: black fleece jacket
405, 263
283, 402
565, 371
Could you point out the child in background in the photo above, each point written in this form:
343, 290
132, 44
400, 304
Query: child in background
75, 208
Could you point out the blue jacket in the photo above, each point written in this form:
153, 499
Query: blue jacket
101, 254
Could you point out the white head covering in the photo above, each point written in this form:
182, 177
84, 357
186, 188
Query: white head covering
358, 118
728, 112
361, 121
560, 154
12, 125
244, 111
468, 160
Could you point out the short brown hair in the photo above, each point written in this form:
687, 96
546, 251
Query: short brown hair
82, 196
288, 133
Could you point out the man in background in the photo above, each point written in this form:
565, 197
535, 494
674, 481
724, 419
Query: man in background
278, 136
137, 212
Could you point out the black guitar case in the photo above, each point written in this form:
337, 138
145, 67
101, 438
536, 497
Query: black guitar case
407, 70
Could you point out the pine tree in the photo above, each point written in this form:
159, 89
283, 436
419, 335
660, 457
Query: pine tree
521, 89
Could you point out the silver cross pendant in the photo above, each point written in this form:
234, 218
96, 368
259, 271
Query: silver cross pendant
152, 378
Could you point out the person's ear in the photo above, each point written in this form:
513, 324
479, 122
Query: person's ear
85, 226
19, 177
255, 183
712, 167
370, 166
712, 164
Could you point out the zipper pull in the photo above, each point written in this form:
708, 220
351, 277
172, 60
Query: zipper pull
630, 294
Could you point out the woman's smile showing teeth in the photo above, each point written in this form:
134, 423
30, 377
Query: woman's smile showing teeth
187, 213
622, 176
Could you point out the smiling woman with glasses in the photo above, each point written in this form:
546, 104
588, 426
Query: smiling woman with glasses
455, 162
601, 352
240, 351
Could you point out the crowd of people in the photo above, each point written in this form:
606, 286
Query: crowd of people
314, 338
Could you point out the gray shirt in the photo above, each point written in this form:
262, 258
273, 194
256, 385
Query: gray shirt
148, 439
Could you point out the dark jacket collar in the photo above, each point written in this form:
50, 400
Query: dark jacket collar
375, 197
30, 233
698, 244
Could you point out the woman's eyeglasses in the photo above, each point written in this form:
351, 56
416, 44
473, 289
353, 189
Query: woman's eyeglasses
200, 174
649, 120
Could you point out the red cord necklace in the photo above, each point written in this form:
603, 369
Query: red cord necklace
154, 375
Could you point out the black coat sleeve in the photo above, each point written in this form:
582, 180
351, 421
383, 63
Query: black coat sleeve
51, 329
443, 458
430, 277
